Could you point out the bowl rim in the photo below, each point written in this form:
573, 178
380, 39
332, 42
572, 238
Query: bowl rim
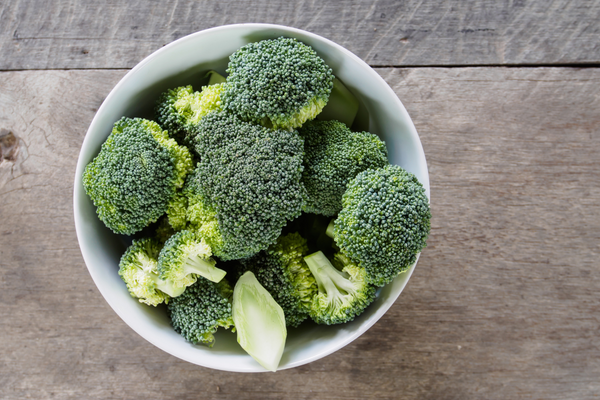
78, 191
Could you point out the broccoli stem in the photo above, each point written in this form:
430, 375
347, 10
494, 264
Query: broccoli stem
214, 78
165, 287
342, 105
206, 268
330, 280
329, 231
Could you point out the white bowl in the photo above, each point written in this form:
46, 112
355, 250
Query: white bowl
184, 62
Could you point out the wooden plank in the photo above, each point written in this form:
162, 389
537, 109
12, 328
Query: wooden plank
503, 304
59, 34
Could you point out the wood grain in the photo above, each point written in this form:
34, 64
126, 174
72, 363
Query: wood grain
58, 34
503, 304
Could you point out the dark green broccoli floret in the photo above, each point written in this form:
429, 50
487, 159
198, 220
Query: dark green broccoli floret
184, 258
282, 271
343, 293
179, 109
246, 185
138, 269
135, 175
333, 156
384, 222
201, 309
280, 83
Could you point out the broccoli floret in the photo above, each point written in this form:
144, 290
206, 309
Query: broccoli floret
333, 156
138, 269
184, 257
246, 185
280, 83
282, 271
342, 294
179, 109
135, 175
201, 310
384, 222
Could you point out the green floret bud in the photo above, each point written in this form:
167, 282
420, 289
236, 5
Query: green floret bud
184, 258
179, 109
201, 310
280, 83
384, 222
334, 155
342, 295
201, 216
281, 270
135, 175
249, 176
177, 211
138, 269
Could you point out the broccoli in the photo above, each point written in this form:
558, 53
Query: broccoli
184, 257
138, 269
201, 310
282, 272
342, 294
135, 175
179, 109
333, 156
280, 83
246, 185
259, 321
384, 222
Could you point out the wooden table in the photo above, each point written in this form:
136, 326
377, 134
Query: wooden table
505, 301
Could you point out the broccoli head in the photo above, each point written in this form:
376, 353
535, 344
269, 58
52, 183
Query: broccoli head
179, 109
135, 175
343, 293
246, 185
384, 222
184, 258
280, 83
138, 269
333, 156
201, 310
282, 271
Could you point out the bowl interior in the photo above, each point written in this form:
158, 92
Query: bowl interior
186, 62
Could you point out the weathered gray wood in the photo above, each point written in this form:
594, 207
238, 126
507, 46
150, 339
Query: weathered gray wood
503, 304
90, 34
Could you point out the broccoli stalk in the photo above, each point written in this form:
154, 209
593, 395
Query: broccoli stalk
342, 295
342, 105
259, 321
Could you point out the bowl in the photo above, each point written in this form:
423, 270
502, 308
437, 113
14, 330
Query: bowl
184, 62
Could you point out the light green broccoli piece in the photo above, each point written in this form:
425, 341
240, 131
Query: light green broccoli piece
184, 258
138, 269
179, 110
